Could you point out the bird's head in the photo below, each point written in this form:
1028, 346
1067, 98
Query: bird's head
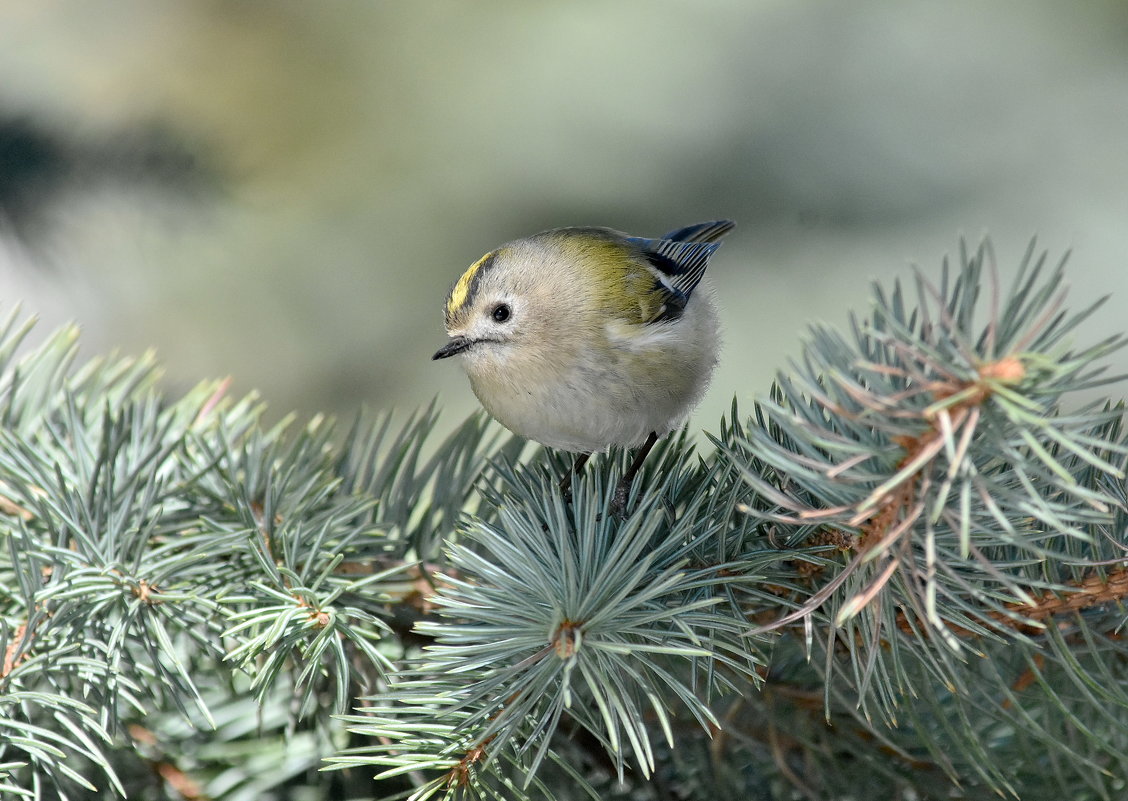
529, 300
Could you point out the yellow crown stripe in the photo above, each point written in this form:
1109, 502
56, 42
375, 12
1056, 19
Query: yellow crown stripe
463, 290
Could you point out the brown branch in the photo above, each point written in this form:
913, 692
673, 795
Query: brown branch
459, 775
889, 512
12, 654
184, 785
10, 507
1092, 591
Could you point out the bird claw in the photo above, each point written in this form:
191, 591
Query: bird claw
618, 508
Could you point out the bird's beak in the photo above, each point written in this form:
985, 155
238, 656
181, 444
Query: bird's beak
453, 348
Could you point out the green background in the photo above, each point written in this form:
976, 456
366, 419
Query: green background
335, 165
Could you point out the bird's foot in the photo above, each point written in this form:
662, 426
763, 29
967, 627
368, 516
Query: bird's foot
566, 481
618, 508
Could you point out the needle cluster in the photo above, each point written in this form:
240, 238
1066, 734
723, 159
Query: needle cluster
902, 575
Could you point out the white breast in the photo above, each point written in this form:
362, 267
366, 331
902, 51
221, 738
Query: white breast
615, 393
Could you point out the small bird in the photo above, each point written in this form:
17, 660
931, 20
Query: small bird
584, 338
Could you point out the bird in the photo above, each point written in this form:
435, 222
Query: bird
584, 338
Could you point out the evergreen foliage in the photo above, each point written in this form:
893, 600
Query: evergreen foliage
902, 576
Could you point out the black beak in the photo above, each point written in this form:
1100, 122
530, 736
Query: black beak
453, 348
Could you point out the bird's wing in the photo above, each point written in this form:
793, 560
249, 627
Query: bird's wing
701, 232
679, 260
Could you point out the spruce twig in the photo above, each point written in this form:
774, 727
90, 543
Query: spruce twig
904, 573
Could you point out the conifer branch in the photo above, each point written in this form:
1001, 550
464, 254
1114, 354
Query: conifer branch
905, 571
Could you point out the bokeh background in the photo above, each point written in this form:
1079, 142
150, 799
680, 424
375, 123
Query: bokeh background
284, 191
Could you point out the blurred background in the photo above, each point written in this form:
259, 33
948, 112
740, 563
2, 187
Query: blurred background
283, 192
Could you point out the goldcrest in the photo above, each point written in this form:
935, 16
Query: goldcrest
583, 338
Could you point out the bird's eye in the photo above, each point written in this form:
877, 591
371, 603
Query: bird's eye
501, 312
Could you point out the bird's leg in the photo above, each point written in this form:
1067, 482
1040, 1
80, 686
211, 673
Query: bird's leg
577, 468
619, 504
